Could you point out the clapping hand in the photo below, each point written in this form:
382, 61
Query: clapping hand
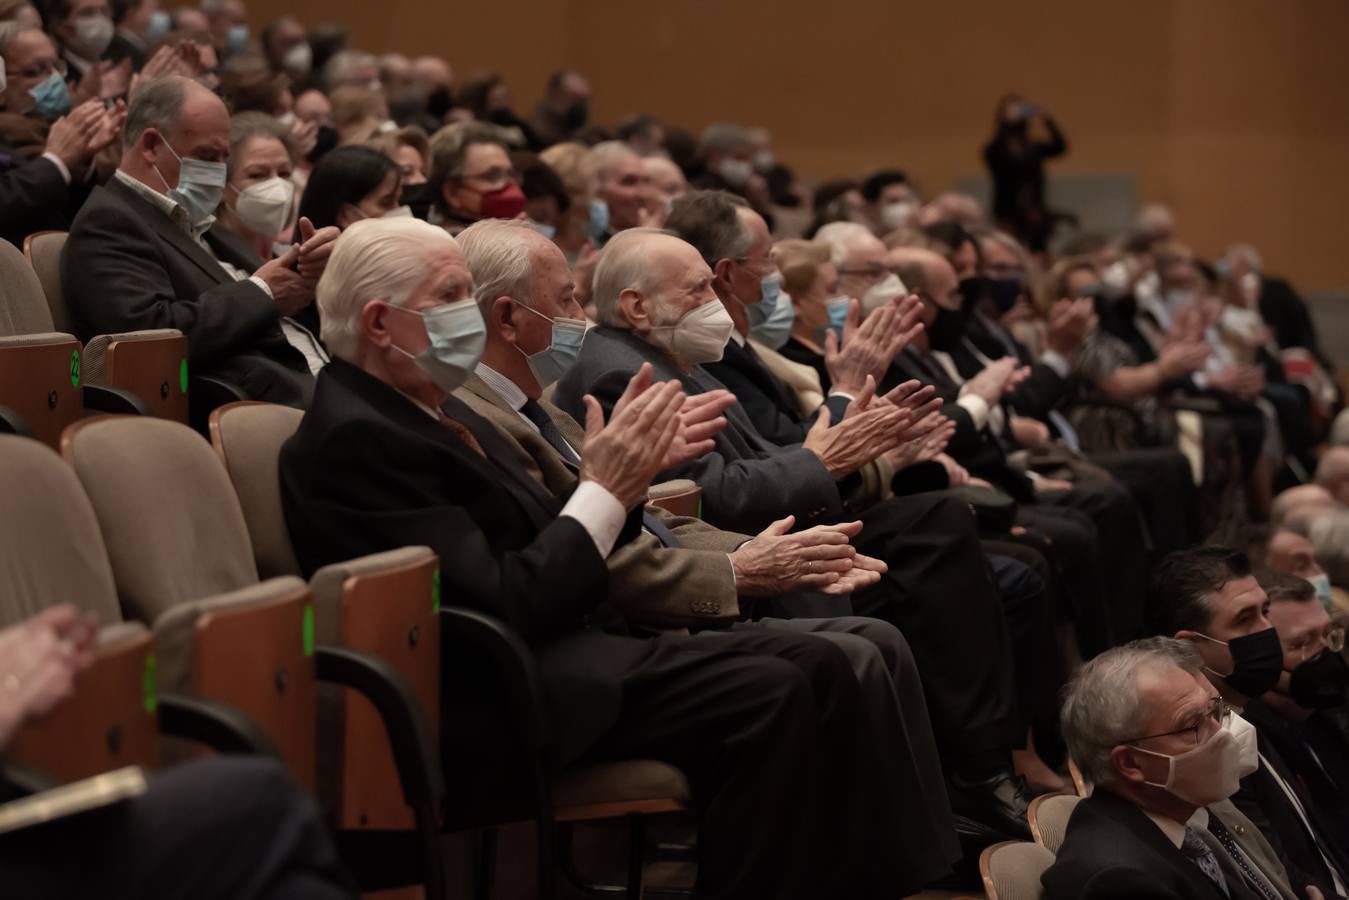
624, 454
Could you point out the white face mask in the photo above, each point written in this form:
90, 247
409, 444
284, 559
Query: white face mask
1204, 775
266, 207
735, 171
880, 294
201, 184
299, 59
92, 35
698, 337
457, 336
1243, 733
1321, 583
897, 214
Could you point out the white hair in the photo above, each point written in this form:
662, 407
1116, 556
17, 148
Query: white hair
500, 254
338, 70
1101, 705
839, 237
623, 264
374, 259
602, 156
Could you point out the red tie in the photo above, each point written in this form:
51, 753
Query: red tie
464, 435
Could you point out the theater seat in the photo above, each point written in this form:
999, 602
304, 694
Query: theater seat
176, 533
150, 364
43, 251
40, 385
680, 497
1011, 870
1049, 814
248, 437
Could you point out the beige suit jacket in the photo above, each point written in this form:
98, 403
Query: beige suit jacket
649, 584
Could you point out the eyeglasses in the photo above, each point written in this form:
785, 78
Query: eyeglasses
762, 264
1218, 710
1332, 639
495, 177
40, 69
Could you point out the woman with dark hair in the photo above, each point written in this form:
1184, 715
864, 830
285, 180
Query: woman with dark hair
1016, 162
350, 184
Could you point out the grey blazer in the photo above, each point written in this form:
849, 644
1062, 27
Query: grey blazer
747, 482
1254, 845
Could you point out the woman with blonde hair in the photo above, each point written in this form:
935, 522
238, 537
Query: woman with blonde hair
577, 229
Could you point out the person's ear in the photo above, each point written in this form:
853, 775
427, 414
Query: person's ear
722, 273
1124, 760
345, 217
374, 323
501, 319
636, 310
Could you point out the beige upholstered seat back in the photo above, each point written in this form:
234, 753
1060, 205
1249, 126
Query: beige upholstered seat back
23, 305
50, 547
96, 351
1012, 870
168, 514
44, 255
248, 436
1049, 816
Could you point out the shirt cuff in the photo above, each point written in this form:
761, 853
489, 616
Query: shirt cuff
600, 513
1200, 380
976, 406
266, 288
735, 582
60, 166
844, 394
1056, 361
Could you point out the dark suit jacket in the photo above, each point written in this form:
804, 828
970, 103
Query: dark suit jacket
1113, 850
128, 267
765, 399
33, 197
1034, 397
122, 47
1287, 314
747, 481
368, 470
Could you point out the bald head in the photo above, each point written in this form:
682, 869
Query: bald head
1333, 473
1300, 503
647, 278
666, 179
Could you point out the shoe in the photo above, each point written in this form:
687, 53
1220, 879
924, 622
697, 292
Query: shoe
993, 808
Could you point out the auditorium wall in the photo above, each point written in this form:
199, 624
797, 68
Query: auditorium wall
1234, 112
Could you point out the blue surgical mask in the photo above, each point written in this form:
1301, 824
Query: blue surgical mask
201, 184
1323, 592
769, 288
236, 40
457, 335
552, 362
160, 24
598, 225
548, 231
838, 313
772, 325
53, 100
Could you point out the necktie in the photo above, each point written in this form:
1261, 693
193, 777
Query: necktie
1229, 843
548, 428
465, 436
1198, 853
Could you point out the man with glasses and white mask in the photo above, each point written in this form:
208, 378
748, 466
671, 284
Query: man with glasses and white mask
1163, 751
1208, 597
146, 251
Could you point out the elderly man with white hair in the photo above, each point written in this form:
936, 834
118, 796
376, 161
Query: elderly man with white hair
658, 307
1165, 753
386, 457
685, 572
623, 186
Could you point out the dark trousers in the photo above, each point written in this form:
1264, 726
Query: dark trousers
778, 744
939, 591
1162, 485
1098, 521
229, 828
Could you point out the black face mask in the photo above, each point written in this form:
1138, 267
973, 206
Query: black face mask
1321, 682
972, 290
576, 115
420, 197
1005, 292
946, 330
1257, 662
325, 140
439, 103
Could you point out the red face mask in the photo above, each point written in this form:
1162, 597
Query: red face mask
503, 203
